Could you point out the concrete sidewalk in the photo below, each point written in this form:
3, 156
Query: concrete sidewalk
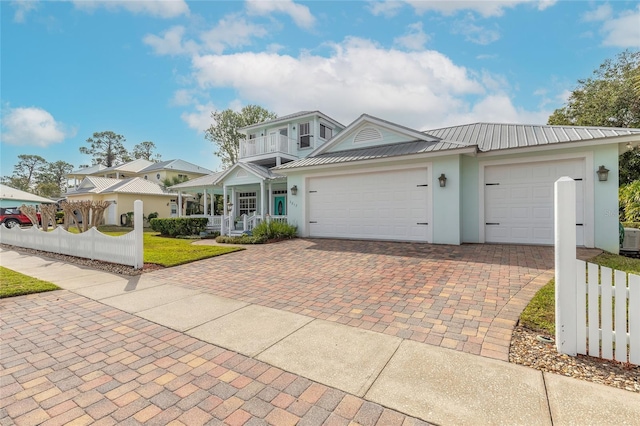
435, 384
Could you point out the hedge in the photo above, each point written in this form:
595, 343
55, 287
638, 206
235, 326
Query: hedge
179, 225
631, 224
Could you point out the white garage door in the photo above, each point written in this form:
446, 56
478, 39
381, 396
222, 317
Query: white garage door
382, 206
519, 201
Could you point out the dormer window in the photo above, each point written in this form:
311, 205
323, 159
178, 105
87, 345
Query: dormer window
325, 132
305, 135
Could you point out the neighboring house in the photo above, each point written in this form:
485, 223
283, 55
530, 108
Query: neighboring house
122, 193
11, 197
148, 170
476, 183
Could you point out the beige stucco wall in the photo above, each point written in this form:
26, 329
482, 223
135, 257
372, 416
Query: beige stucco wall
124, 203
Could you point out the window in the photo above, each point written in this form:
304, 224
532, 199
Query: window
325, 132
305, 135
246, 203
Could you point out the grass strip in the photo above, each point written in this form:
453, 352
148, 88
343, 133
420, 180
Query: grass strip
13, 283
540, 313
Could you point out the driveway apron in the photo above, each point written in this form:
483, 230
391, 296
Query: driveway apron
466, 298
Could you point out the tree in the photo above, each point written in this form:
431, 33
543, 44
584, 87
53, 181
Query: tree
224, 131
145, 150
611, 97
53, 179
27, 170
107, 148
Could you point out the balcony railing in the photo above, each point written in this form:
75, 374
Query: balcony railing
270, 144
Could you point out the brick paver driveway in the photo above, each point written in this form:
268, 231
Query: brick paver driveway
464, 297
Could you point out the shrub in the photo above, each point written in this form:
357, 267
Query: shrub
631, 225
275, 230
240, 239
59, 217
629, 196
152, 215
179, 225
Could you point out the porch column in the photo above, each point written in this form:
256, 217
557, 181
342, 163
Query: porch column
262, 198
233, 200
179, 203
224, 210
205, 201
270, 198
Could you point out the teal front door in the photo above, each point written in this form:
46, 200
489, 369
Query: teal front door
280, 206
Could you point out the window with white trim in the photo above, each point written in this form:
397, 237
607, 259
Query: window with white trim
246, 203
305, 135
326, 132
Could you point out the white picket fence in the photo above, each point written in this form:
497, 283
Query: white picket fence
608, 313
597, 308
124, 249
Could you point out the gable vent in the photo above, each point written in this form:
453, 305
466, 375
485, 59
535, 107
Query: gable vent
241, 173
367, 134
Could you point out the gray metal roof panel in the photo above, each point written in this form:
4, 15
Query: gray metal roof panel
489, 136
376, 152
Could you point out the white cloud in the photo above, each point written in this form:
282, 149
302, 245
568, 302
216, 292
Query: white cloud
418, 89
199, 119
183, 97
171, 42
414, 39
474, 33
300, 14
22, 8
231, 31
485, 8
157, 8
623, 31
32, 127
386, 8
600, 13
497, 108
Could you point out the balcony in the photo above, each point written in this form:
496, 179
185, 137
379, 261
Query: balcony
268, 148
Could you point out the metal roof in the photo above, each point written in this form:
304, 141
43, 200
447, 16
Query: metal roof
202, 181
290, 117
88, 170
179, 165
492, 136
9, 193
135, 185
132, 166
370, 153
262, 171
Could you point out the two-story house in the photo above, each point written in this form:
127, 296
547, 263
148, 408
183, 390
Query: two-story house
139, 179
472, 183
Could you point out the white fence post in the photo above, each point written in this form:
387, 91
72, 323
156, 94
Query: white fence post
565, 265
137, 229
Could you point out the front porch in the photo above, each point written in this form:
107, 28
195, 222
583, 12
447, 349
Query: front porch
230, 225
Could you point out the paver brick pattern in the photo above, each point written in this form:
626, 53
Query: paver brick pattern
464, 297
66, 359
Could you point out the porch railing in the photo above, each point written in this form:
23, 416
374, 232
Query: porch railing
245, 223
269, 144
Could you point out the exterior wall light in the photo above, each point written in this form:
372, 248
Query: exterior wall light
629, 146
443, 180
294, 190
229, 207
603, 174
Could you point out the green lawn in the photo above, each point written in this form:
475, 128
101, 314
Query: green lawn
540, 314
13, 283
174, 251
168, 251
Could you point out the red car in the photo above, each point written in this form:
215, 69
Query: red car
11, 217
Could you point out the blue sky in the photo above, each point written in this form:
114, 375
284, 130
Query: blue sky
154, 70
